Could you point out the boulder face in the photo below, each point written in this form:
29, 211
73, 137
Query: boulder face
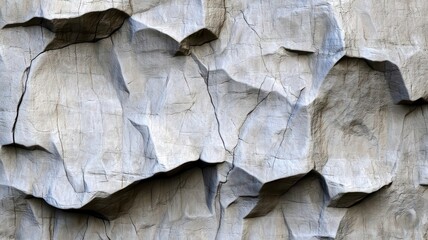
213, 119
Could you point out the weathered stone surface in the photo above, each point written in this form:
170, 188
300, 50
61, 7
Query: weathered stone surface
200, 119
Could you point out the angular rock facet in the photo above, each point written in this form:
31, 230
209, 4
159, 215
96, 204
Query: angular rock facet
215, 119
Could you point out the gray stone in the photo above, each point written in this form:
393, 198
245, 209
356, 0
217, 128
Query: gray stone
200, 119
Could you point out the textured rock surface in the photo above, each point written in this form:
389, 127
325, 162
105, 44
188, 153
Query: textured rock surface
200, 119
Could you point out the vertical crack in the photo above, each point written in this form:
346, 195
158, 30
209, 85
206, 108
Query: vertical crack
204, 71
86, 228
133, 224
27, 71
105, 228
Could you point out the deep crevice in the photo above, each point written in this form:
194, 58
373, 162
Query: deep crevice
27, 71
89, 27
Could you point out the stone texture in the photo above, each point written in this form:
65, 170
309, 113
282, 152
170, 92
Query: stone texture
200, 119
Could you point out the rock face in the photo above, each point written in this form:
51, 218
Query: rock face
213, 119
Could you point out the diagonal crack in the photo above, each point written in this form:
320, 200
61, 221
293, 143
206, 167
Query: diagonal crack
205, 74
287, 126
204, 71
249, 25
215, 112
221, 183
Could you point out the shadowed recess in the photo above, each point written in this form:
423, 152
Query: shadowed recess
395, 81
120, 202
89, 27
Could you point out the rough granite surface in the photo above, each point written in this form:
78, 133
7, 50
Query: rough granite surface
214, 119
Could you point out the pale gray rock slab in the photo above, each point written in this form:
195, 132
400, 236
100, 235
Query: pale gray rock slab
22, 11
355, 144
213, 120
18, 49
189, 22
364, 23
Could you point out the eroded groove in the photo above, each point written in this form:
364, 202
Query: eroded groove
196, 39
397, 87
116, 204
89, 27
29, 148
350, 199
271, 192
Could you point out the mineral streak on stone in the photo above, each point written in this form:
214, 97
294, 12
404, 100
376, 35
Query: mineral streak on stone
213, 119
